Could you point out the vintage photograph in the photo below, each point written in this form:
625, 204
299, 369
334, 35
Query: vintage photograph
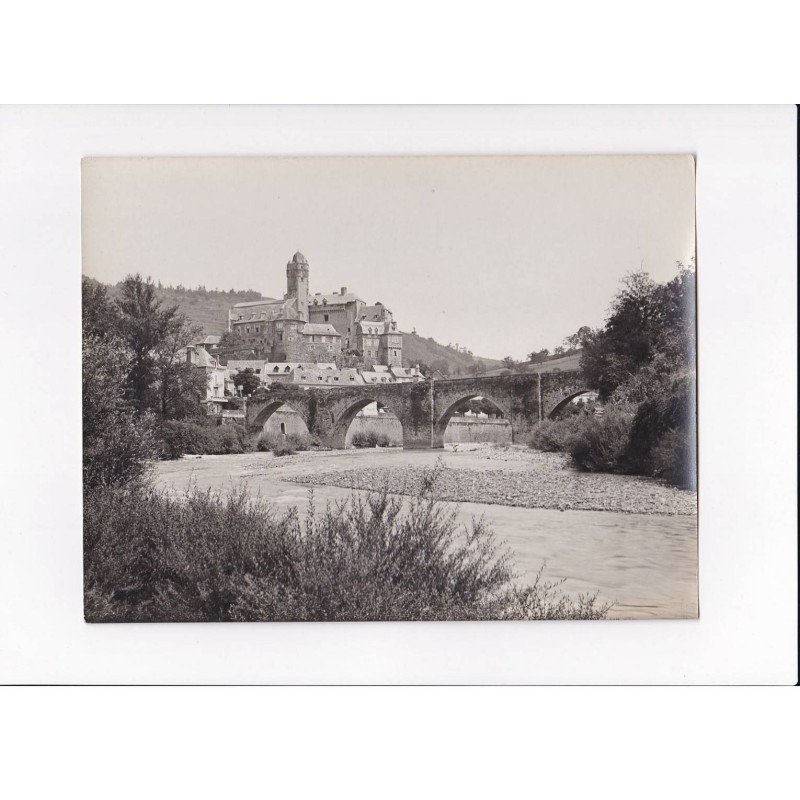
389, 388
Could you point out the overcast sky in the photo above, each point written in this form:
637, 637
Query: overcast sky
501, 255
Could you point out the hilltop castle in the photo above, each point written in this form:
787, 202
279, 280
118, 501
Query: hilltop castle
317, 328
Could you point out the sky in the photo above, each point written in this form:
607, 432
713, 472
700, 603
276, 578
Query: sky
501, 255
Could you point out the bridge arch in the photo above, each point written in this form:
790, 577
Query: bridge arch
342, 421
562, 404
269, 409
440, 425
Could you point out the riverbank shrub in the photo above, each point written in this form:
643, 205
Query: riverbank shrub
674, 459
370, 438
283, 444
656, 438
662, 441
151, 556
556, 435
184, 437
599, 443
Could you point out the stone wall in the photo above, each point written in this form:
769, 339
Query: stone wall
469, 429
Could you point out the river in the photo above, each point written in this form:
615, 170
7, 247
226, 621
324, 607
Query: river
646, 564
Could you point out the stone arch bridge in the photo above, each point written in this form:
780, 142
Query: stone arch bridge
423, 408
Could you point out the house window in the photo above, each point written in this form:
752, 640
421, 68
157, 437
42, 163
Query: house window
283, 428
325, 317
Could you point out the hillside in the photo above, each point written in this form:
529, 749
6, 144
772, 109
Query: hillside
419, 350
208, 308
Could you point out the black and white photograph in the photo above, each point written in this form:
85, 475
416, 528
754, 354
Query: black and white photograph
389, 388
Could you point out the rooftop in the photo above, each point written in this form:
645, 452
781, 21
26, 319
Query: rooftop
264, 301
320, 328
333, 299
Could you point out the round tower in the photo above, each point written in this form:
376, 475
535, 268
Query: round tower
297, 279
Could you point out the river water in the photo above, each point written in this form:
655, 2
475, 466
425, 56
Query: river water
646, 564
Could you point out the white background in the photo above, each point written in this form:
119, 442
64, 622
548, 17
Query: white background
746, 205
387, 742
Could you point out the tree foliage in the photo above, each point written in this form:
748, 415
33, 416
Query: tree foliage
116, 440
644, 358
538, 356
134, 375
154, 335
650, 325
248, 381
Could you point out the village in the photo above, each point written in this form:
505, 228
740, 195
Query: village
316, 341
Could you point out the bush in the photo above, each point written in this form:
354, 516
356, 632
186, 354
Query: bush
662, 437
149, 556
674, 459
182, 437
370, 439
283, 445
557, 435
599, 444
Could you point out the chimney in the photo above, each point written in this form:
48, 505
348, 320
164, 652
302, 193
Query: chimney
344, 290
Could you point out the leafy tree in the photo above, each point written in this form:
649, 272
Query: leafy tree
248, 380
116, 441
559, 351
578, 338
153, 335
100, 316
179, 385
509, 363
538, 356
650, 327
229, 340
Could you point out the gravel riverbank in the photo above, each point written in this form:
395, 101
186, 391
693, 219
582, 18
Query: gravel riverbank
511, 477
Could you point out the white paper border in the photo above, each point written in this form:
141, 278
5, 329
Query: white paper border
746, 212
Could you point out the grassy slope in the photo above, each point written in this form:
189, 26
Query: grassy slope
209, 310
206, 308
418, 350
